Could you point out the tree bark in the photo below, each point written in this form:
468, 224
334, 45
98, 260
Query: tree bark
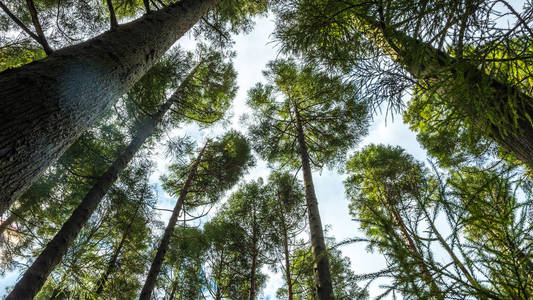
46, 105
287, 258
323, 287
37, 26
33, 279
426, 63
155, 268
254, 259
113, 24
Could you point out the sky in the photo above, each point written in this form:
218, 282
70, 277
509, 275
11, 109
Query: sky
254, 51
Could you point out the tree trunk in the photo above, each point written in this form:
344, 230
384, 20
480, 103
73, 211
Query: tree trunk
37, 26
287, 258
410, 244
512, 130
46, 105
174, 289
254, 259
323, 286
113, 261
155, 268
33, 279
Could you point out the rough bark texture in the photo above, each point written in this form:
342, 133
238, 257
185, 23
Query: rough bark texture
323, 287
33, 279
424, 62
46, 105
155, 268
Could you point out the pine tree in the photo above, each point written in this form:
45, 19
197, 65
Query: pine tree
35, 276
315, 120
66, 92
340, 34
217, 167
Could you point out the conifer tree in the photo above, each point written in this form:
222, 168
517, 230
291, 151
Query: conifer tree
287, 202
213, 106
413, 33
315, 120
66, 92
217, 167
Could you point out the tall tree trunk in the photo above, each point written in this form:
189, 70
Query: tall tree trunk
287, 258
155, 268
46, 105
251, 293
426, 63
174, 289
33, 279
410, 244
113, 261
323, 287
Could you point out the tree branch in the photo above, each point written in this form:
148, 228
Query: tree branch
37, 26
112, 16
46, 48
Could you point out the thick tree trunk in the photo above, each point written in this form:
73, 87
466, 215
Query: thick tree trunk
478, 93
46, 105
33, 279
287, 259
323, 287
155, 268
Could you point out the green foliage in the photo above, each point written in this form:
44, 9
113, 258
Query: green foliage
332, 118
15, 57
344, 280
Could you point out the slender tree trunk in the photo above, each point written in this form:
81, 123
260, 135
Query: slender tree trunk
323, 287
112, 17
254, 259
155, 268
113, 261
409, 243
46, 105
479, 92
33, 279
218, 295
287, 258
37, 26
147, 6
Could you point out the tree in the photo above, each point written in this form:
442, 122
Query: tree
227, 270
182, 275
387, 184
217, 167
338, 33
344, 280
382, 182
35, 276
248, 209
315, 116
287, 202
67, 91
